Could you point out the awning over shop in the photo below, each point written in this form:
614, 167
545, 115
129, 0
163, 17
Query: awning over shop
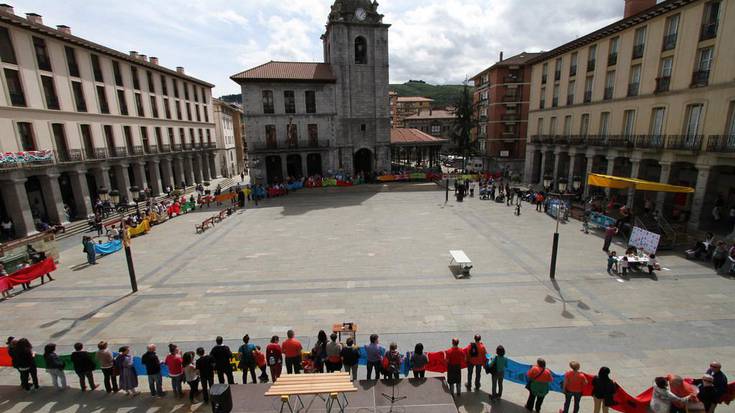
619, 182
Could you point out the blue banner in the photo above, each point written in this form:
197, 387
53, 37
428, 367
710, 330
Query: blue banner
108, 247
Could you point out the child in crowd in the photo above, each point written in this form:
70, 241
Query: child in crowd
191, 374
653, 264
611, 260
585, 224
624, 265
260, 361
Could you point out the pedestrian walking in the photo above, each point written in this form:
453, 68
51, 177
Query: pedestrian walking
374, 353
222, 355
539, 378
274, 358
609, 234
247, 360
128, 375
603, 390
191, 375
418, 362
54, 366
205, 366
175, 365
292, 352
455, 356
106, 360
83, 366
574, 383
153, 369
333, 350
350, 356
496, 368
476, 358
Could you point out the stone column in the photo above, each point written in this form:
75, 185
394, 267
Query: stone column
17, 206
587, 172
52, 198
178, 165
155, 175
304, 170
123, 182
698, 197
102, 177
167, 178
198, 168
214, 172
610, 169
544, 159
188, 170
634, 171
82, 200
205, 167
139, 175
572, 164
557, 157
663, 178
284, 167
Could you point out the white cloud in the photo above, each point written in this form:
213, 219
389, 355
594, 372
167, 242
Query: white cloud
230, 16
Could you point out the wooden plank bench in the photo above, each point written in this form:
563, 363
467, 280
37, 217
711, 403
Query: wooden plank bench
332, 384
207, 223
460, 259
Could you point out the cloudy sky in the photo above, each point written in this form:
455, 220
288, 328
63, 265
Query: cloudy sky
438, 41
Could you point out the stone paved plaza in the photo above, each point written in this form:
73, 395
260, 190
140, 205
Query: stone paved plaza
378, 256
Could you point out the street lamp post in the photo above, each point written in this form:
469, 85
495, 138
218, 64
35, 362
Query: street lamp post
115, 196
562, 187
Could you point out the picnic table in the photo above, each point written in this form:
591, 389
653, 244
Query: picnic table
459, 258
334, 385
634, 261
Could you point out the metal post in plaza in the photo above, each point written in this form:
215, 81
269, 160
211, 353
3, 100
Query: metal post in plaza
115, 196
561, 187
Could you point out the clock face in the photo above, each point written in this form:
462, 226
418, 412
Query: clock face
360, 14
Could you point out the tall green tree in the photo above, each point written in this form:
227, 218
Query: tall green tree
465, 121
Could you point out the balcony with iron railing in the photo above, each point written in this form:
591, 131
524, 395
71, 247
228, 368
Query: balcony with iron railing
69, 155
633, 89
286, 146
721, 143
588, 96
137, 150
708, 31
165, 148
554, 102
511, 97
557, 75
650, 141
591, 65
684, 142
97, 154
177, 147
662, 84
608, 93
151, 150
118, 152
612, 59
669, 42
512, 78
700, 78
570, 100
573, 70
638, 51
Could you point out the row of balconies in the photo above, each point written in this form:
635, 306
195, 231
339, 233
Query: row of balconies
694, 143
288, 144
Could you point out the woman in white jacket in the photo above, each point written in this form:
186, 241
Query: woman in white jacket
662, 396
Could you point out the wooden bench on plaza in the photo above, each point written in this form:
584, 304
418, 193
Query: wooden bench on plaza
207, 223
334, 385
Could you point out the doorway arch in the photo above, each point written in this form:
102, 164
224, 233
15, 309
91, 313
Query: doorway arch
273, 169
314, 164
363, 161
293, 166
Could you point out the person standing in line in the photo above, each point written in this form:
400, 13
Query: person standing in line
719, 380
88, 248
603, 390
83, 366
205, 366
539, 378
274, 357
476, 358
374, 356
23, 359
175, 366
333, 350
104, 356
455, 357
128, 375
191, 374
609, 234
153, 369
261, 363
350, 356
54, 366
663, 397
393, 361
497, 373
419, 360
222, 355
292, 352
247, 361
319, 352
574, 383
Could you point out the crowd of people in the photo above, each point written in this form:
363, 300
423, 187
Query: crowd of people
671, 393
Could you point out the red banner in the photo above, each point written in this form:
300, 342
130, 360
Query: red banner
28, 274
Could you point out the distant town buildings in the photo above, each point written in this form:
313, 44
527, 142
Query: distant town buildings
650, 96
227, 120
79, 120
501, 97
405, 106
438, 123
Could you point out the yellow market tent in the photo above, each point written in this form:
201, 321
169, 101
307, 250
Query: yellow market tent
618, 182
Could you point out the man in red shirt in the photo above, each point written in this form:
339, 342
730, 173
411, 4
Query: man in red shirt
476, 358
292, 351
609, 234
455, 357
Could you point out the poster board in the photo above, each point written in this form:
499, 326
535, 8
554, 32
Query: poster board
644, 240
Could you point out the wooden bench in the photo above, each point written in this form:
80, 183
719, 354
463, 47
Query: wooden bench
207, 223
461, 260
332, 384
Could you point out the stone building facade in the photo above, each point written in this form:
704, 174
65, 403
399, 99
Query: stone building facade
227, 119
651, 96
320, 118
78, 119
438, 123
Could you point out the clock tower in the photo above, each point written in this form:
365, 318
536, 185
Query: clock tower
356, 47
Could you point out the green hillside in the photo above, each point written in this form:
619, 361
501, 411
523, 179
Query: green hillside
444, 95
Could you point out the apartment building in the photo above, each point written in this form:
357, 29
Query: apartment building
405, 106
227, 120
79, 120
650, 96
501, 99
438, 123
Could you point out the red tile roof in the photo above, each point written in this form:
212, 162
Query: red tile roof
412, 136
287, 71
414, 99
